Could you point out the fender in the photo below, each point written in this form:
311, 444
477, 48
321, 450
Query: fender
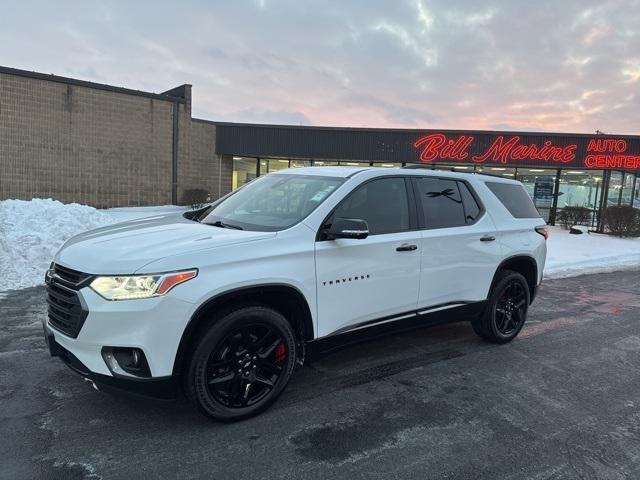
518, 261
281, 296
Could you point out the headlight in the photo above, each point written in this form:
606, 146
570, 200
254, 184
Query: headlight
139, 286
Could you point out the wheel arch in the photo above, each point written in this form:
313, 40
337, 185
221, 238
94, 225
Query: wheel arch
526, 265
284, 298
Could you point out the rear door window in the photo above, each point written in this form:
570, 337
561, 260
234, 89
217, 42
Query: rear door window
441, 201
515, 199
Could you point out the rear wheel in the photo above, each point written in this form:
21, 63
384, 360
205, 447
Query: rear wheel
242, 363
506, 309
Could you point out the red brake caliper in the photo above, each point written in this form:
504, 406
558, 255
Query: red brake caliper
281, 353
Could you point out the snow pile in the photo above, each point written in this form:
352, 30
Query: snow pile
569, 255
31, 232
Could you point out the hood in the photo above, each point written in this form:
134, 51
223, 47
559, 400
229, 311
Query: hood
126, 247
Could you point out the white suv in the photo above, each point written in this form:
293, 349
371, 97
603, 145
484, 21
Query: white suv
223, 302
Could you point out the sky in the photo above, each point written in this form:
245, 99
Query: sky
571, 66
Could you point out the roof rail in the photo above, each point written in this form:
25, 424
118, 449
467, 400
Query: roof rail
452, 169
431, 167
494, 175
419, 165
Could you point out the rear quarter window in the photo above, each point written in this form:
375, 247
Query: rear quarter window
515, 199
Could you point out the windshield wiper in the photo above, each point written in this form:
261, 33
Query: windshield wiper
221, 224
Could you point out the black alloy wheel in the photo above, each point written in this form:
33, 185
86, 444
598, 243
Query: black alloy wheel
242, 363
510, 308
246, 365
506, 310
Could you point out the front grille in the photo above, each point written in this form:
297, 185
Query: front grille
66, 312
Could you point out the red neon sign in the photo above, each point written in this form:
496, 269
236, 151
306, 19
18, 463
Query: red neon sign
603, 145
437, 146
609, 153
502, 151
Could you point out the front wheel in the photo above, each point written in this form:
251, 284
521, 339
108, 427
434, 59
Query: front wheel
242, 363
506, 309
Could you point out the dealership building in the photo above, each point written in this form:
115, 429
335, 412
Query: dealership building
78, 141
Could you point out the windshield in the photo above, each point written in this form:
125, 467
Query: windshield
273, 202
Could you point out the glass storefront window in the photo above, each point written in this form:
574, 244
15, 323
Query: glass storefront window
500, 171
627, 188
354, 164
276, 164
636, 194
615, 185
495, 171
539, 184
244, 170
581, 189
324, 163
300, 163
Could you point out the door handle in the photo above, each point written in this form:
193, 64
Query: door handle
487, 238
405, 247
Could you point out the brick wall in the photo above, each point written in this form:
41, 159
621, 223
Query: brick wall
100, 147
205, 169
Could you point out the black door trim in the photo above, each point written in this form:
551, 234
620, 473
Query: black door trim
437, 314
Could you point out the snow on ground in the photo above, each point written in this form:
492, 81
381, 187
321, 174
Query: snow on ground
32, 232
569, 255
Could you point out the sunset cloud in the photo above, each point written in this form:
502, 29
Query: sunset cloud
546, 65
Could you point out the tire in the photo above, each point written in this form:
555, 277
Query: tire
241, 364
506, 310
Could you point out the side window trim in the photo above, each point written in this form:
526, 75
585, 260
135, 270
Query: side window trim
422, 221
477, 199
411, 200
411, 206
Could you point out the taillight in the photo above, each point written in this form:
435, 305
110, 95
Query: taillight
544, 231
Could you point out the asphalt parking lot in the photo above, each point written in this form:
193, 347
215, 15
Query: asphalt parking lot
561, 401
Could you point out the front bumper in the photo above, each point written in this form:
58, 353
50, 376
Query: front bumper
154, 325
82, 326
158, 388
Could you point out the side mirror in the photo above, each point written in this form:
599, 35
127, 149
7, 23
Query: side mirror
348, 228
